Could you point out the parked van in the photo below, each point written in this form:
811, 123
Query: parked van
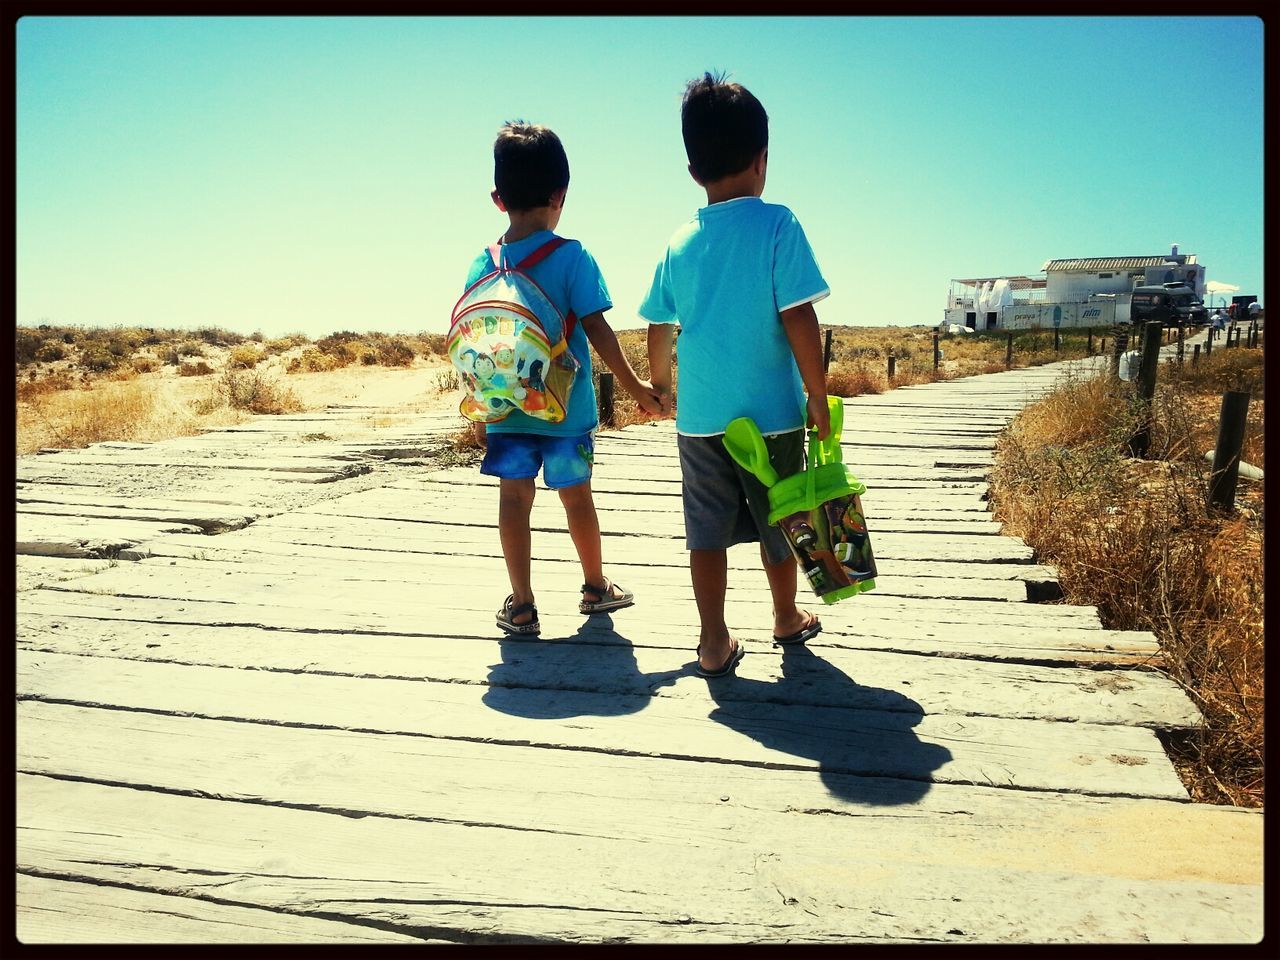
1170, 302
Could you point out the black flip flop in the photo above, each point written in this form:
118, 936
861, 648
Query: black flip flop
730, 665
807, 632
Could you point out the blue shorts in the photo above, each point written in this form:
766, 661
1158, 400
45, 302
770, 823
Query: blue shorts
565, 461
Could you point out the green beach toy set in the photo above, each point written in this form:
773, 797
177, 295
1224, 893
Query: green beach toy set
819, 510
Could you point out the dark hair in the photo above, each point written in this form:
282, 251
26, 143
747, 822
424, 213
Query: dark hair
724, 127
529, 165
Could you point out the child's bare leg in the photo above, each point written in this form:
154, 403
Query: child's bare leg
584, 530
787, 617
710, 572
515, 502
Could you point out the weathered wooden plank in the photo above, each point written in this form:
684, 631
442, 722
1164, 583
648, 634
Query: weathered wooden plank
676, 588
34, 572
210, 521
63, 911
68, 537
660, 799
1013, 639
438, 879
118, 460
823, 675
474, 587
313, 527
1105, 760
382, 505
327, 561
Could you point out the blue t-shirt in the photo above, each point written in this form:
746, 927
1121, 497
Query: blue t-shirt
726, 276
572, 281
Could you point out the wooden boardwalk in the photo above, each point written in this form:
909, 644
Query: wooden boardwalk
282, 716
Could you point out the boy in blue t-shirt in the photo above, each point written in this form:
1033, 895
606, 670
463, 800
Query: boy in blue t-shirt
741, 280
531, 178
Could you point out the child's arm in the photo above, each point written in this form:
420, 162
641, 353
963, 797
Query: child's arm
661, 336
605, 341
801, 326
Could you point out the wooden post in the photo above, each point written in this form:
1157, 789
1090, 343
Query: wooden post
937, 357
1090, 347
826, 351
892, 360
1195, 354
1008, 353
606, 399
1119, 342
1182, 340
1057, 339
1102, 347
1208, 345
1152, 336
1226, 455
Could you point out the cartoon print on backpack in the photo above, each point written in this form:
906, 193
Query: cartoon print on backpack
503, 326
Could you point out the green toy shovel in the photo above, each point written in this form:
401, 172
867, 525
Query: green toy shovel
745, 444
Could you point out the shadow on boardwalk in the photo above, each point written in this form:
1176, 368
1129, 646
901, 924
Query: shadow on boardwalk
864, 756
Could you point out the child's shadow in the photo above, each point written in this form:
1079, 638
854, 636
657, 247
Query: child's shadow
592, 672
866, 752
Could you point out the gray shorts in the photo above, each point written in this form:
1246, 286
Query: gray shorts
724, 504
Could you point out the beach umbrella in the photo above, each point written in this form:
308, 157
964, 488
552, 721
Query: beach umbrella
1215, 288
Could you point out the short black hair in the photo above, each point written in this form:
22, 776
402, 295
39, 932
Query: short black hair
724, 127
529, 165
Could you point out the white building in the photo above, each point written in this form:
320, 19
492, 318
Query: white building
1073, 293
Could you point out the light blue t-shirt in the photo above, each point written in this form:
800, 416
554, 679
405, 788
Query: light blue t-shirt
572, 281
726, 276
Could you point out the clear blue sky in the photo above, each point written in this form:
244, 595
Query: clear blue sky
319, 174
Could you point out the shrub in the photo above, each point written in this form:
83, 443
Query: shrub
190, 348
218, 337
853, 383
256, 393
244, 357
51, 350
27, 344
97, 358
197, 369
145, 364
312, 360
395, 353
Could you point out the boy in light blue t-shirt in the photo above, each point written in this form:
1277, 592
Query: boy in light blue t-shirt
531, 177
741, 280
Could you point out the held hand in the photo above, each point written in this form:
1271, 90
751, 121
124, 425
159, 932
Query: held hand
667, 399
819, 416
648, 398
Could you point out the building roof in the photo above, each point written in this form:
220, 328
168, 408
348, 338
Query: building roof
1017, 283
1096, 264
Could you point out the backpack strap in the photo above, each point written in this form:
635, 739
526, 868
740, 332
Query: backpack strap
544, 251
532, 260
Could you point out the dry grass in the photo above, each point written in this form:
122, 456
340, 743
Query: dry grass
127, 410
1138, 540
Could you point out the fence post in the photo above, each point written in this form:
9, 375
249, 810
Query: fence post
1102, 347
606, 399
1182, 339
1008, 353
1226, 455
1208, 345
1152, 337
937, 357
892, 361
1195, 354
1119, 342
826, 353
1057, 339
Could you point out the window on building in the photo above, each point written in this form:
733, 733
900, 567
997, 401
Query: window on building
1104, 276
